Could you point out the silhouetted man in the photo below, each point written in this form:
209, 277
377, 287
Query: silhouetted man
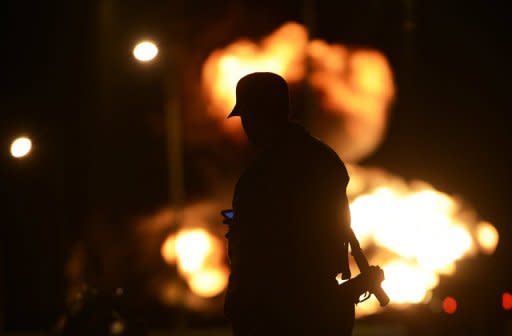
288, 239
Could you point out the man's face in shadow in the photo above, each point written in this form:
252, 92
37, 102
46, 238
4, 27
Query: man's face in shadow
263, 122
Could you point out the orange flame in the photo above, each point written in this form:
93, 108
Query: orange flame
281, 52
355, 84
195, 247
198, 255
420, 233
358, 85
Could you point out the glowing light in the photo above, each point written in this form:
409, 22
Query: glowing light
192, 248
117, 327
209, 282
407, 283
506, 301
199, 257
145, 51
487, 236
21, 147
409, 224
420, 233
282, 52
449, 305
356, 85
168, 249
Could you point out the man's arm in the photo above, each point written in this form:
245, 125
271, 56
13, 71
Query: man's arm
364, 282
372, 275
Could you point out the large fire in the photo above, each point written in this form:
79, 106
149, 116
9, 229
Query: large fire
282, 52
419, 232
356, 84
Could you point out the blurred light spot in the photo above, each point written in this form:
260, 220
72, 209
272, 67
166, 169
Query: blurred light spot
420, 233
21, 147
406, 283
145, 51
487, 236
449, 305
168, 249
506, 301
193, 247
209, 283
116, 328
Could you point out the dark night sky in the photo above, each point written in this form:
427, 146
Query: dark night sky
448, 125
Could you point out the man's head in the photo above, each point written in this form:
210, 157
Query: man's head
262, 102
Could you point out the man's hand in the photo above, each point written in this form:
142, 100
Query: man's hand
372, 277
364, 282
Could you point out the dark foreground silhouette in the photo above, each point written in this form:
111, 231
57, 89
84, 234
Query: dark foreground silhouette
291, 228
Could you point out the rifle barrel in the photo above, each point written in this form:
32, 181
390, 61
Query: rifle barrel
363, 265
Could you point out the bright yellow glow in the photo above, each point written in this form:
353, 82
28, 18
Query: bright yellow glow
209, 282
420, 233
406, 283
145, 51
21, 147
487, 236
200, 260
168, 249
411, 224
420, 228
192, 248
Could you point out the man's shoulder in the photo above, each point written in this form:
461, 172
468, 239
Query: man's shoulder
326, 151
320, 146
326, 155
298, 151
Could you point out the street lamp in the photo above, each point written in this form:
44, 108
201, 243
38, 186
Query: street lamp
145, 51
21, 147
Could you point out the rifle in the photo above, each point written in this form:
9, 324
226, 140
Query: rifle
357, 253
363, 265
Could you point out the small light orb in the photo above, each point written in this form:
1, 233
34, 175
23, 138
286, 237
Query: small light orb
487, 236
21, 147
506, 301
117, 327
145, 51
450, 305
